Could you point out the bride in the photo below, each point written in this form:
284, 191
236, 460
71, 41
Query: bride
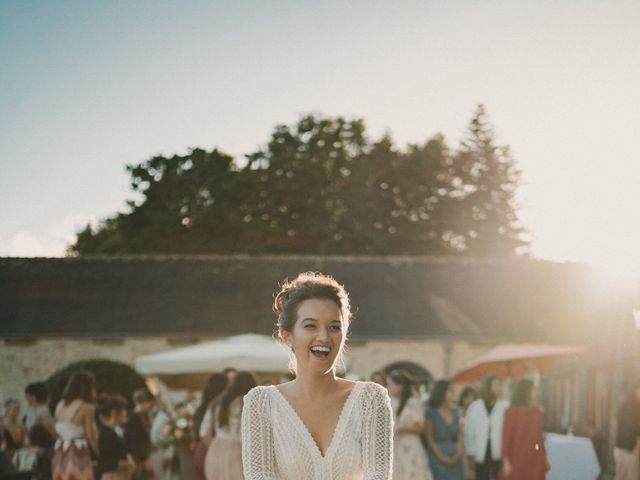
317, 426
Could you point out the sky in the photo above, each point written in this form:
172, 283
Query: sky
87, 87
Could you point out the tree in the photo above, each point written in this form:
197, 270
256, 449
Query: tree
482, 210
321, 187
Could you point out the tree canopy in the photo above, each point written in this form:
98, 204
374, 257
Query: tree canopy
322, 186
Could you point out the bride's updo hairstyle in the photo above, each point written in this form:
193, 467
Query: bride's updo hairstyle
306, 286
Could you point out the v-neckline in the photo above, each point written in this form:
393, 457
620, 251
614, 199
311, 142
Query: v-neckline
336, 430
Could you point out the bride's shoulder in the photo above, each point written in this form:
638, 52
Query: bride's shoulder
259, 393
372, 391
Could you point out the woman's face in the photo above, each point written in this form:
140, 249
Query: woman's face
318, 336
13, 410
450, 397
468, 399
496, 388
394, 389
121, 417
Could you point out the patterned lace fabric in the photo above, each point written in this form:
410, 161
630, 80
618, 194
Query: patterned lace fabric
276, 445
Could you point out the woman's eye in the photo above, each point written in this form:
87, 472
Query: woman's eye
309, 325
336, 328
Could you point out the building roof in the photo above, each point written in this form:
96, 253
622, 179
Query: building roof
393, 297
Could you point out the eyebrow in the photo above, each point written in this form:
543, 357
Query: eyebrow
311, 319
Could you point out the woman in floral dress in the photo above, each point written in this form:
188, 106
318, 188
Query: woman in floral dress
409, 457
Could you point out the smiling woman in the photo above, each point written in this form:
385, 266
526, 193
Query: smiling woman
317, 426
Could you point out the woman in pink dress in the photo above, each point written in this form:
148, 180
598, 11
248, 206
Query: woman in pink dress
76, 429
224, 456
523, 453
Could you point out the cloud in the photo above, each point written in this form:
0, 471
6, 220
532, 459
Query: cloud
51, 240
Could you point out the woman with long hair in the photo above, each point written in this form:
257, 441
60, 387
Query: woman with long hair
409, 458
523, 454
444, 434
483, 429
224, 456
76, 429
317, 426
202, 431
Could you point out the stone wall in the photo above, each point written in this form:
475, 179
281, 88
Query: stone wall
442, 358
30, 361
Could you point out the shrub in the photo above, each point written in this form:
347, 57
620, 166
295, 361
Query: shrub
111, 377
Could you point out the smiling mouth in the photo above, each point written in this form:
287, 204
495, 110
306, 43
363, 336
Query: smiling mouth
321, 352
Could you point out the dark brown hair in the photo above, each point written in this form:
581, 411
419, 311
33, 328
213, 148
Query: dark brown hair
109, 403
82, 384
142, 395
215, 386
306, 286
240, 386
38, 390
466, 392
39, 436
439, 393
486, 392
521, 396
407, 383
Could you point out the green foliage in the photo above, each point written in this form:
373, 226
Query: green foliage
111, 377
321, 187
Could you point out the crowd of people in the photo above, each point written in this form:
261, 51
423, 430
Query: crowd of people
479, 436
92, 436
89, 437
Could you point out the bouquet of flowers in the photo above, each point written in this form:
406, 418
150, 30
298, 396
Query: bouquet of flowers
177, 430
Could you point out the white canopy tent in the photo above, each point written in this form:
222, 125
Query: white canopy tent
256, 353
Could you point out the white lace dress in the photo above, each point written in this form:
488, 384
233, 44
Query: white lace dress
276, 445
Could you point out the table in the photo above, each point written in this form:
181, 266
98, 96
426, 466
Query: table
571, 458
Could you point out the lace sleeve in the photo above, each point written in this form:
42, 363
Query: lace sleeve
257, 444
377, 435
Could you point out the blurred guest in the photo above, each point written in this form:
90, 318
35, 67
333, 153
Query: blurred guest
76, 429
112, 464
162, 456
6, 465
409, 458
42, 443
444, 434
38, 410
467, 396
136, 433
483, 429
224, 456
12, 423
627, 451
379, 377
230, 373
202, 436
523, 453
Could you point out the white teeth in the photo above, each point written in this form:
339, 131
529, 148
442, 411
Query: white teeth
320, 349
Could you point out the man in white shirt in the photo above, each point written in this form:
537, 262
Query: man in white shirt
483, 429
38, 410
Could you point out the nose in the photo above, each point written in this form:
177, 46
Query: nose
323, 334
